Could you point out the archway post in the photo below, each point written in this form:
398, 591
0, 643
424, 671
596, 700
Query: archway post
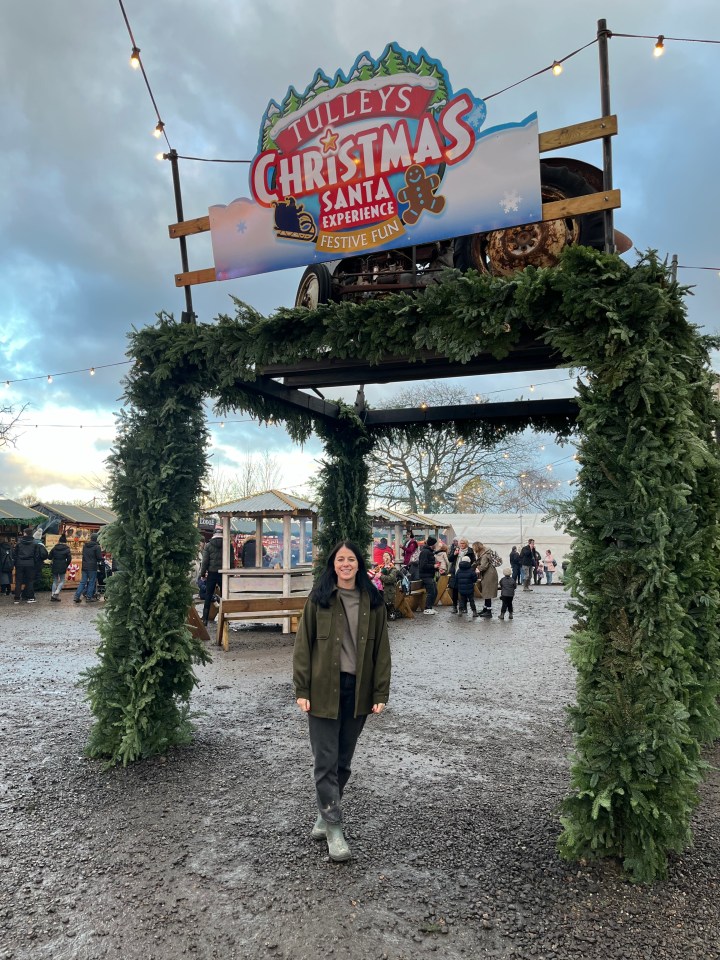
645, 570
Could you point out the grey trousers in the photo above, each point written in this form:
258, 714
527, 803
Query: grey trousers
333, 744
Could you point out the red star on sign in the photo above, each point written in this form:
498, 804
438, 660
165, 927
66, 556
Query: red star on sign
329, 143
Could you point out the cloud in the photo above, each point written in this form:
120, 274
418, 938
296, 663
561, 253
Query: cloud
84, 206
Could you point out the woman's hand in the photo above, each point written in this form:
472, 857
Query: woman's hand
303, 704
377, 707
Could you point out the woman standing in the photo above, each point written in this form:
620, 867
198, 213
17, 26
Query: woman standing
487, 574
341, 673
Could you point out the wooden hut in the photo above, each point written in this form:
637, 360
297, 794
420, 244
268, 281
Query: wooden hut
14, 517
265, 593
78, 524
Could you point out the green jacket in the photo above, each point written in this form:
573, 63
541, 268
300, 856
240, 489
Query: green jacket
316, 657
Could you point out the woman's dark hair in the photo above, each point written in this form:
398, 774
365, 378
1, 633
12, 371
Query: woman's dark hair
62, 538
322, 591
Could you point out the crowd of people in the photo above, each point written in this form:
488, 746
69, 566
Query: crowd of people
22, 563
472, 571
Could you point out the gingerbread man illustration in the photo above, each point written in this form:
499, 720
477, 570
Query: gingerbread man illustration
419, 194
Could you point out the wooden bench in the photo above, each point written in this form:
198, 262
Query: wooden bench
256, 608
407, 603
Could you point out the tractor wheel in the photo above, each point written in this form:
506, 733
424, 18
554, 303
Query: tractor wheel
502, 252
315, 287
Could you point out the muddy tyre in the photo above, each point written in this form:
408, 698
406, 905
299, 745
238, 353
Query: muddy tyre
502, 252
315, 287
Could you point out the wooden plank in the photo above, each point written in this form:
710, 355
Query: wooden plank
193, 277
576, 206
262, 604
197, 627
189, 228
578, 133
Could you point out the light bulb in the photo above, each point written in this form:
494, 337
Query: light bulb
7, 384
423, 406
135, 58
92, 371
557, 68
159, 156
222, 424
532, 387
49, 378
659, 46
159, 127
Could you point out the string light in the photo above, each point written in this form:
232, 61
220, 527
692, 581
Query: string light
49, 379
423, 406
532, 387
557, 68
160, 156
135, 58
92, 371
659, 47
159, 127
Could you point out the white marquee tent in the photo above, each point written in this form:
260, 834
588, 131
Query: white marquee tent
503, 531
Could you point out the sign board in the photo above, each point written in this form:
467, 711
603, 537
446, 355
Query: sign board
385, 156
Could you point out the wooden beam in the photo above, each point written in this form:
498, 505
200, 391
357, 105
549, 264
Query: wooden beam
577, 206
506, 412
192, 277
578, 133
189, 227
294, 398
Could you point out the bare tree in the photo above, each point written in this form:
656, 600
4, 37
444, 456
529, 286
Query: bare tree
442, 473
531, 489
254, 473
10, 424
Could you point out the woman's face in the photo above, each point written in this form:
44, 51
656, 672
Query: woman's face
346, 568
387, 559
463, 544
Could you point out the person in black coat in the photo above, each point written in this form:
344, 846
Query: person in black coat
515, 565
6, 566
211, 566
60, 558
426, 572
91, 556
465, 580
29, 556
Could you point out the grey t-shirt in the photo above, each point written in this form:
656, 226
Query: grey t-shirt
350, 600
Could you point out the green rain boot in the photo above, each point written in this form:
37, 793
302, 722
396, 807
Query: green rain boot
337, 845
319, 830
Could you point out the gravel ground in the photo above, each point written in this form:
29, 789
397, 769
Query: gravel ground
451, 812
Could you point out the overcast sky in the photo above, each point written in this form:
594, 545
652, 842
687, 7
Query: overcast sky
84, 204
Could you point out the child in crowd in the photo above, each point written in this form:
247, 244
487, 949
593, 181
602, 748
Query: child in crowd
389, 578
465, 580
507, 587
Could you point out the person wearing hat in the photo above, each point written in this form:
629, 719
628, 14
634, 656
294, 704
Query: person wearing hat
426, 572
508, 586
211, 566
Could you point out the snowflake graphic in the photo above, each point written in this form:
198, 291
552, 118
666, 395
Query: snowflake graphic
476, 117
241, 227
510, 202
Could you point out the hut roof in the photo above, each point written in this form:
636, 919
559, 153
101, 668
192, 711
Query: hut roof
70, 513
269, 503
11, 510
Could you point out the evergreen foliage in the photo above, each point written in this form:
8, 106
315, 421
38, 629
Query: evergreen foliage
342, 485
140, 689
644, 567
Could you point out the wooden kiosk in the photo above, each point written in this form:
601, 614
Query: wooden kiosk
265, 593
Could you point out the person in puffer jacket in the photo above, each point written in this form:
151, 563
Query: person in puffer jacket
211, 566
465, 580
